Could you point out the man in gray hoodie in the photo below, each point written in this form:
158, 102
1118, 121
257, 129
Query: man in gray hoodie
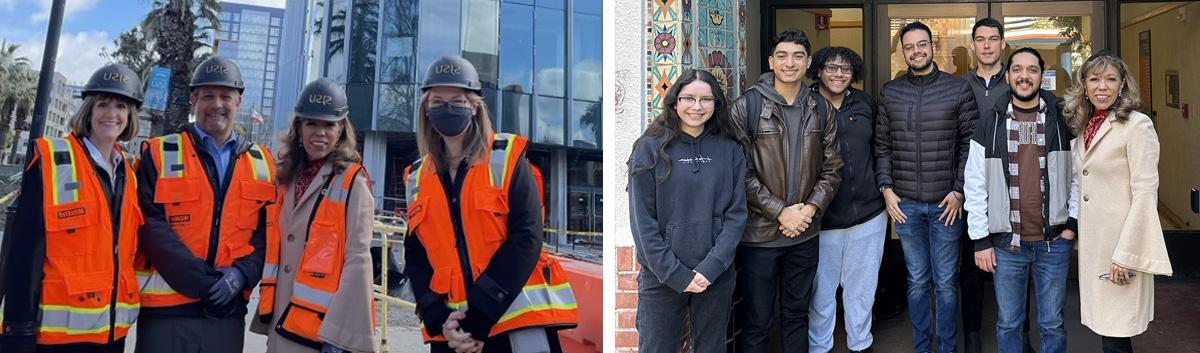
793, 171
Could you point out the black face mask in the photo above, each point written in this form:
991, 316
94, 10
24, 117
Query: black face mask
450, 119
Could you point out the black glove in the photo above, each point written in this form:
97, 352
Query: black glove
226, 288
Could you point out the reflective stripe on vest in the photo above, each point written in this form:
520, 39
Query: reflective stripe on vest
65, 178
71, 320
499, 161
172, 154
258, 164
319, 299
153, 283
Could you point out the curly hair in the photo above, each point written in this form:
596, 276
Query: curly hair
827, 54
293, 158
666, 127
1079, 110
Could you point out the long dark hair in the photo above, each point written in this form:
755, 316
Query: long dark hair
293, 158
666, 128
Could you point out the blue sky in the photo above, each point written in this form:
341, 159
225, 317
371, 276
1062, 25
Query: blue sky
89, 27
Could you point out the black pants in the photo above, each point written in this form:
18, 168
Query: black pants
661, 311
1116, 344
971, 280
117, 346
767, 276
499, 344
189, 334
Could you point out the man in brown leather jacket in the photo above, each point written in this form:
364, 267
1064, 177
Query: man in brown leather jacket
794, 168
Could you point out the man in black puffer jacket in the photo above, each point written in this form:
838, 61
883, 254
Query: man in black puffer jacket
922, 134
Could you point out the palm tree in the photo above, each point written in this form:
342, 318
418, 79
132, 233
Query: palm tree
179, 28
17, 84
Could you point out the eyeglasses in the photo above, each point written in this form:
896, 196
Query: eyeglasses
691, 101
832, 68
922, 45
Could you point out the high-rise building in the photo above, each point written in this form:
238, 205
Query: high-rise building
64, 101
250, 35
539, 62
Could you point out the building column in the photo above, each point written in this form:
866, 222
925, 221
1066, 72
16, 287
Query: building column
628, 52
375, 160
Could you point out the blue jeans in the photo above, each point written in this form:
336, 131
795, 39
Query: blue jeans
931, 251
1046, 263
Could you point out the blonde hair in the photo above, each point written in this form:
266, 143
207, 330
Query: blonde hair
1078, 110
293, 158
429, 141
81, 122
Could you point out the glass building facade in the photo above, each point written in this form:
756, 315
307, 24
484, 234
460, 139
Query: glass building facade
250, 35
540, 66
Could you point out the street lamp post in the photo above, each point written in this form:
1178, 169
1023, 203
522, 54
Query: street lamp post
41, 103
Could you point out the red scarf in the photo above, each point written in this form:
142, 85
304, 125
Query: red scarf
1093, 126
306, 177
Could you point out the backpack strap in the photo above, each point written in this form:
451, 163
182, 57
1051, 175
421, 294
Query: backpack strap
754, 102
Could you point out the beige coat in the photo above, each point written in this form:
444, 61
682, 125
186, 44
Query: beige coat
1118, 223
348, 322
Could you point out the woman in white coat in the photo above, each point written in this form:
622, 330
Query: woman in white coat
1121, 244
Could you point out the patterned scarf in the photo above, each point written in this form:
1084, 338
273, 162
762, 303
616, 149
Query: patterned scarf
306, 177
1093, 126
1023, 133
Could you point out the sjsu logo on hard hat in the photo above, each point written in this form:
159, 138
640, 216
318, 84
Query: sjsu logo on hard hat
447, 68
320, 99
217, 69
115, 76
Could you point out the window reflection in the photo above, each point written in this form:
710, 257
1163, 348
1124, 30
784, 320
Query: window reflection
335, 67
397, 107
549, 121
440, 27
515, 113
586, 117
587, 58
362, 50
480, 38
516, 42
399, 44
550, 50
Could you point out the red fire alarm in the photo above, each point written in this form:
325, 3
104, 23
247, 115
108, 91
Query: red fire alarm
822, 22
1185, 110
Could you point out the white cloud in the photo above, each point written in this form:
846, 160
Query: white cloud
73, 6
267, 3
8, 5
78, 54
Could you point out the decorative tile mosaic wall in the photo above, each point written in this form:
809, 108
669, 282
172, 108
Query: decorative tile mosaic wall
683, 34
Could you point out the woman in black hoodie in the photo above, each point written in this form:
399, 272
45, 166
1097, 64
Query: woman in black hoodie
687, 205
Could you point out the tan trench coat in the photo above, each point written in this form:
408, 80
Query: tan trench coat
348, 322
1118, 223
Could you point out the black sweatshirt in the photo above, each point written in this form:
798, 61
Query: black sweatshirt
492, 293
693, 220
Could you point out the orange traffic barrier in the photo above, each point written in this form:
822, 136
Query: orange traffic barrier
588, 282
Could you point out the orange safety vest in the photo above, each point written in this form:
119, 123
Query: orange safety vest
546, 299
320, 269
184, 190
89, 289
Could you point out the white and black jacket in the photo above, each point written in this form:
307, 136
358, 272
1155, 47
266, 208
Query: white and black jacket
986, 182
